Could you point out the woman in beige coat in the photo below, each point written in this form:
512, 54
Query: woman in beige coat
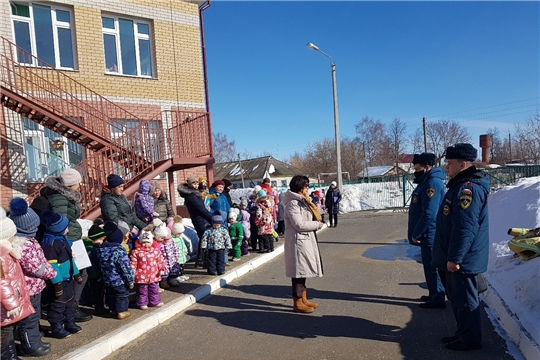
302, 259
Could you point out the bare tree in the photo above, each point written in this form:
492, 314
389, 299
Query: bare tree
224, 150
527, 141
444, 133
372, 135
396, 131
417, 141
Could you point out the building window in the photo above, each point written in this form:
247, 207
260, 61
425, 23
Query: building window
284, 183
127, 46
44, 31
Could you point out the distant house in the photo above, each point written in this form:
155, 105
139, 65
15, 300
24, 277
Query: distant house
405, 163
381, 171
255, 170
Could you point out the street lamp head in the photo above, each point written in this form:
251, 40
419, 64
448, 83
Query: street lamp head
312, 46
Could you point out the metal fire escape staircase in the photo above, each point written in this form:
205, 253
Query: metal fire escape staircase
60, 103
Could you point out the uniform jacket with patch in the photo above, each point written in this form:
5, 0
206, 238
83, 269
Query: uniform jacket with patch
64, 201
114, 264
425, 202
462, 233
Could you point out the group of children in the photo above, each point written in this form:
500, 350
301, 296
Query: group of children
219, 240
122, 261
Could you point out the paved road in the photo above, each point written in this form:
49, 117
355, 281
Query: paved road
367, 308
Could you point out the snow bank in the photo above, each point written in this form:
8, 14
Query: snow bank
515, 283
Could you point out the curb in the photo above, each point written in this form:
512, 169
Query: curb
511, 324
109, 343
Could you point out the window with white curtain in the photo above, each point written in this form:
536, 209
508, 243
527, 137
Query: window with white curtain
45, 32
127, 46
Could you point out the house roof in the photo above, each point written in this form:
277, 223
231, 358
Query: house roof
375, 171
405, 158
255, 169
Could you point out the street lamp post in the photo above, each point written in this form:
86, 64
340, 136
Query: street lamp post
336, 116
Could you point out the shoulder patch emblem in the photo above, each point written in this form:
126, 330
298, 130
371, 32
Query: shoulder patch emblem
465, 201
446, 210
414, 199
430, 192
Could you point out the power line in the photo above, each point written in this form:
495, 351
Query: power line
487, 107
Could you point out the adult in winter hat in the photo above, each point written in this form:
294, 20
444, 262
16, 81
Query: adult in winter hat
333, 183
54, 223
427, 159
146, 237
226, 182
70, 177
415, 159
217, 219
261, 193
218, 182
192, 179
95, 232
462, 151
114, 235
7, 226
114, 180
24, 218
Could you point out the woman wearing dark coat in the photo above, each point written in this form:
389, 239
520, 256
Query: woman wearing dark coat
162, 205
200, 216
115, 206
64, 197
331, 201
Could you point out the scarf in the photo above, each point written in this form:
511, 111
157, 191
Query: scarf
313, 208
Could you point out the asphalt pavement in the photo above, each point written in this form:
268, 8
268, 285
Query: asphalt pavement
368, 308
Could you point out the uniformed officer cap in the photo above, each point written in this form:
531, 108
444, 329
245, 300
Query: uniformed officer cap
416, 159
427, 159
463, 151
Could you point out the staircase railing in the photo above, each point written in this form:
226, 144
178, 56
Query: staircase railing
30, 77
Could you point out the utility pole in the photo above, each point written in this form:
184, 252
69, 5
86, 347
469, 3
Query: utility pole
241, 172
510, 145
425, 134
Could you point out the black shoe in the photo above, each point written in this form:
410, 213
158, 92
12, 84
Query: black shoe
81, 317
459, 345
430, 305
46, 345
72, 328
212, 273
40, 351
424, 298
448, 339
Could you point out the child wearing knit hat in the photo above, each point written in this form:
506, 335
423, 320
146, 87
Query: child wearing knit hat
236, 232
217, 241
96, 237
15, 305
118, 276
177, 234
36, 270
147, 263
57, 249
170, 253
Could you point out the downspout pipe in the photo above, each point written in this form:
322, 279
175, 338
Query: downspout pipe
203, 7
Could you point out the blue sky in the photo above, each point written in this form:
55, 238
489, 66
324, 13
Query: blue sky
474, 62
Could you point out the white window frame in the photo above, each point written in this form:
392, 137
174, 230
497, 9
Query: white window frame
55, 24
137, 35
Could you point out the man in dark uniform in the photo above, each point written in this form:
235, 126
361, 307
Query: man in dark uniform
425, 203
462, 243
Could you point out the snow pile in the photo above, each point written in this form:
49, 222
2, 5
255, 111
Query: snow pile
517, 282
354, 197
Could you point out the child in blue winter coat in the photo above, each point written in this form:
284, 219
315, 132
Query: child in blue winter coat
57, 250
144, 202
217, 241
116, 271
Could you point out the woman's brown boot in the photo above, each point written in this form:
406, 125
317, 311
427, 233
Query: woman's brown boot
307, 302
300, 307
